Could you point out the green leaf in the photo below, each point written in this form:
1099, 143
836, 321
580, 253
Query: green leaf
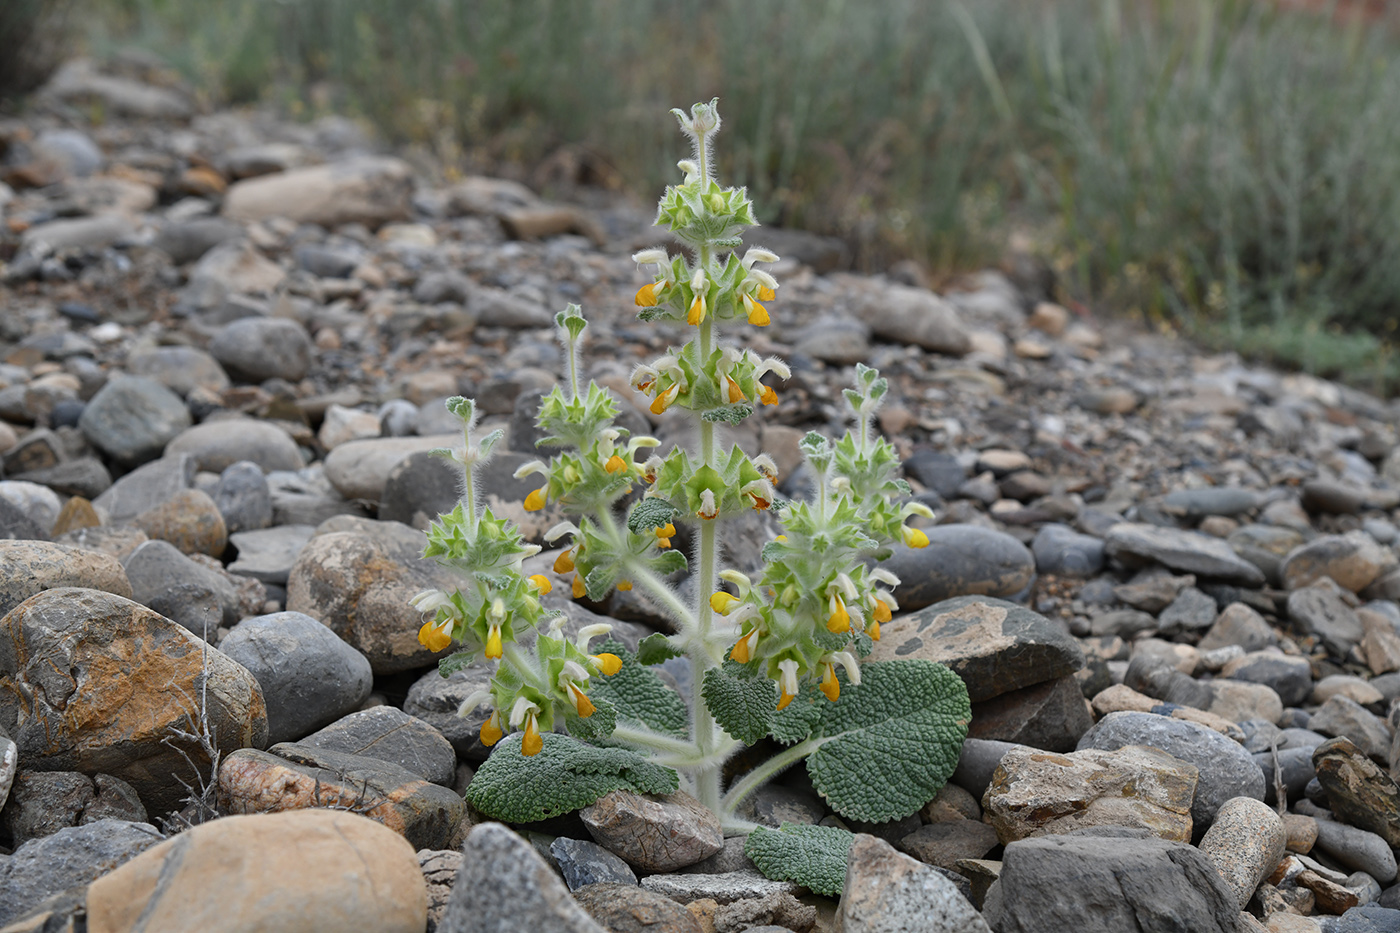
656, 648
458, 660
650, 513
598, 726
795, 722
744, 706
729, 414
888, 746
639, 695
813, 856
668, 562
566, 775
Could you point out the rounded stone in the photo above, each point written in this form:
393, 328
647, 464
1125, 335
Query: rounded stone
243, 497
960, 560
1356, 849
172, 584
1245, 843
309, 677
93, 682
259, 348
189, 520
28, 567
1061, 551
132, 418
626, 908
180, 369
216, 445
298, 872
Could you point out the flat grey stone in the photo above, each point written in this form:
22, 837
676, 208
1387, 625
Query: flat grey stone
1188, 551
391, 735
583, 863
723, 888
132, 418
147, 486
960, 560
268, 554
69, 858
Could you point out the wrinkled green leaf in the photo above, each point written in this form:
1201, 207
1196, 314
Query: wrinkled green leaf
653, 512
888, 746
639, 695
598, 726
458, 660
567, 774
729, 414
813, 856
743, 706
655, 649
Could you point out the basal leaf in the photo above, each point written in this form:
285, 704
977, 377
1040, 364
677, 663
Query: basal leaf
813, 856
566, 774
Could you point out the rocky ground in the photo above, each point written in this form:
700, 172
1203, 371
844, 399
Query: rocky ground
1169, 580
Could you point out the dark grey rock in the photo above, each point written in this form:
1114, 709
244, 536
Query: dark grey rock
435, 700
1226, 769
243, 497
1238, 624
1211, 500
147, 486
132, 418
1187, 551
1061, 551
1124, 623
1319, 610
188, 240
254, 349
1343, 716
504, 887
419, 489
939, 471
391, 735
960, 560
583, 863
328, 262
69, 858
1051, 715
993, 645
270, 553
1366, 918
85, 476
1357, 849
180, 589
1099, 884
1289, 676
1192, 611
44, 802
309, 677
1297, 769
16, 525
976, 763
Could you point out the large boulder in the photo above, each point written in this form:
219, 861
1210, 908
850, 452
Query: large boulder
96, 683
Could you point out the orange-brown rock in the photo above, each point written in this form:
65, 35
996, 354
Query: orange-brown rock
300, 777
29, 567
315, 871
77, 513
94, 682
189, 520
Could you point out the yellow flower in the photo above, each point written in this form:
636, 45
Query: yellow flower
765, 293
531, 744
541, 583
767, 396
873, 630
787, 682
582, 704
758, 315
697, 310
435, 636
577, 588
491, 730
839, 620
663, 400
732, 389
830, 685
615, 464
647, 294
609, 664
722, 602
563, 563
882, 611
913, 537
493, 642
535, 500
744, 647
624, 585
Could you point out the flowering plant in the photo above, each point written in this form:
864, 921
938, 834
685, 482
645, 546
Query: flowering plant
775, 656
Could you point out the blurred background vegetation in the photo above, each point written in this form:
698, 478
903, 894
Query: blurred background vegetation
1229, 169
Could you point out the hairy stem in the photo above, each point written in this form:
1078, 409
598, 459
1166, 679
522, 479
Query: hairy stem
763, 773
